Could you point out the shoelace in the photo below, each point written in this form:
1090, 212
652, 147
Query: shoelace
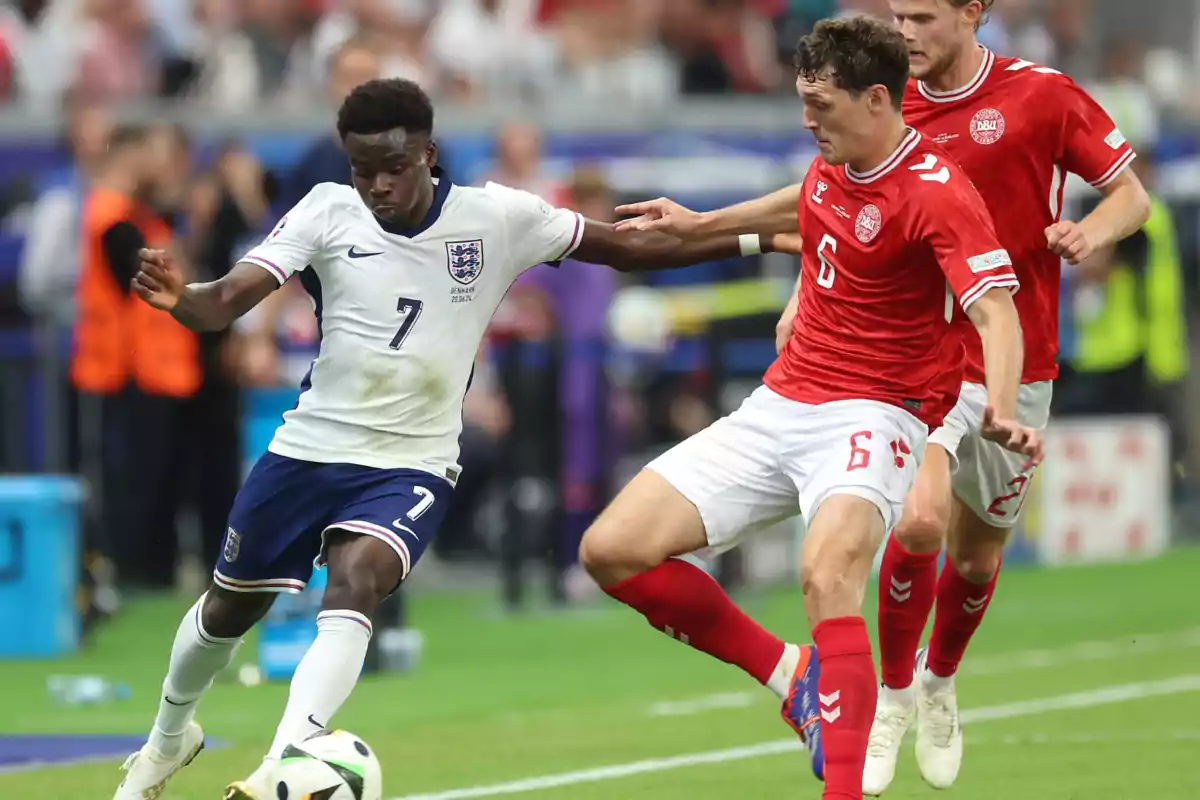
943, 720
883, 734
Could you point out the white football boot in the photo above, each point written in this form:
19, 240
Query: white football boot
258, 786
893, 718
939, 735
147, 771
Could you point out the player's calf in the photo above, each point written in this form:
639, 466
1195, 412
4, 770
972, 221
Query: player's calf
363, 570
908, 574
629, 551
838, 551
965, 588
205, 643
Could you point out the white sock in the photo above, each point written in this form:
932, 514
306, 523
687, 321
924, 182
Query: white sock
196, 658
780, 681
932, 684
325, 677
904, 698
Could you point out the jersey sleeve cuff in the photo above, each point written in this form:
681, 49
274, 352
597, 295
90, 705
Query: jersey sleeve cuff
977, 291
1116, 169
268, 265
576, 238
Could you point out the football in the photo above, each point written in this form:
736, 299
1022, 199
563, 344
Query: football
329, 765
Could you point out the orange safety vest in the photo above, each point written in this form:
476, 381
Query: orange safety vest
118, 337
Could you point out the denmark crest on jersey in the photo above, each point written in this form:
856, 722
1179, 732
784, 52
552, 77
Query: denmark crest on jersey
868, 223
464, 259
987, 126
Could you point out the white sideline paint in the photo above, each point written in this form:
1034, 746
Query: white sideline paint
1090, 699
1080, 652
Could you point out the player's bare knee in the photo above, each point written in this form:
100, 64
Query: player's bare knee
229, 615
610, 557
837, 555
647, 523
977, 558
362, 572
922, 528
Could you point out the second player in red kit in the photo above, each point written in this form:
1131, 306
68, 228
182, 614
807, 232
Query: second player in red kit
1017, 129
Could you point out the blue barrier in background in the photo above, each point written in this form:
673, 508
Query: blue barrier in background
39, 566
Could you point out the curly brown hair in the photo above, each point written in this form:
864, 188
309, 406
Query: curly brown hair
859, 52
987, 7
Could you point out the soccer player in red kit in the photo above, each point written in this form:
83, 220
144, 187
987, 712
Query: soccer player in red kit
1016, 129
894, 238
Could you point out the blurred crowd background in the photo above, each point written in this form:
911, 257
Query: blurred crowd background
217, 116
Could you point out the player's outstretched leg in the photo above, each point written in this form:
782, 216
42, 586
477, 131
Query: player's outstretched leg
205, 643
907, 586
629, 550
968, 580
837, 555
363, 571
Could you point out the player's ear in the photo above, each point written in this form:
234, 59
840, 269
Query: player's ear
878, 98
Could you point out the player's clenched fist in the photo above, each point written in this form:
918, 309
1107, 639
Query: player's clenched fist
1068, 240
159, 281
663, 215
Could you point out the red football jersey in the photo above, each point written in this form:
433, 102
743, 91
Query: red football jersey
885, 254
1016, 129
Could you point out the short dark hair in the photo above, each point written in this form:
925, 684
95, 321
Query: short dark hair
384, 104
859, 52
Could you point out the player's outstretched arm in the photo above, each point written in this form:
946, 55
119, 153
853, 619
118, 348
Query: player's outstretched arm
777, 212
209, 306
646, 251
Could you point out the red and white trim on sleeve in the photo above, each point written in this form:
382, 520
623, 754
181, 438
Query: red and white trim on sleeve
269, 266
576, 238
987, 284
1115, 170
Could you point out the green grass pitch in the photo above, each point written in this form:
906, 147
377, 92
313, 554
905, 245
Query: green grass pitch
507, 699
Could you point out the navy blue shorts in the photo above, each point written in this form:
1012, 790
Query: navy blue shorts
277, 526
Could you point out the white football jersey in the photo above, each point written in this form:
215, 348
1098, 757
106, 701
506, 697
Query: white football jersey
402, 315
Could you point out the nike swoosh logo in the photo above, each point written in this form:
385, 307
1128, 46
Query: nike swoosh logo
314, 722
177, 705
358, 254
398, 524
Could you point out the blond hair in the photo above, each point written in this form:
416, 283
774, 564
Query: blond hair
987, 7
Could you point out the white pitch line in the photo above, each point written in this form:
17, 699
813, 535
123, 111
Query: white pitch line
1090, 699
1080, 652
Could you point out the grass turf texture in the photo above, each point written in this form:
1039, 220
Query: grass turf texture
499, 699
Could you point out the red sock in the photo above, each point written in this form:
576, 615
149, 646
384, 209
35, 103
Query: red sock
960, 608
907, 587
847, 692
682, 601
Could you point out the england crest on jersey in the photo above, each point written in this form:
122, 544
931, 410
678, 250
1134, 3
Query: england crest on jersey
464, 259
233, 545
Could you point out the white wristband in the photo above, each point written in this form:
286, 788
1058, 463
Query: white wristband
750, 244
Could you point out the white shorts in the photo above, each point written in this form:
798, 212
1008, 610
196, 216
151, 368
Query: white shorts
774, 457
987, 478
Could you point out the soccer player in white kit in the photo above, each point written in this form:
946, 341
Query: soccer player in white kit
405, 270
